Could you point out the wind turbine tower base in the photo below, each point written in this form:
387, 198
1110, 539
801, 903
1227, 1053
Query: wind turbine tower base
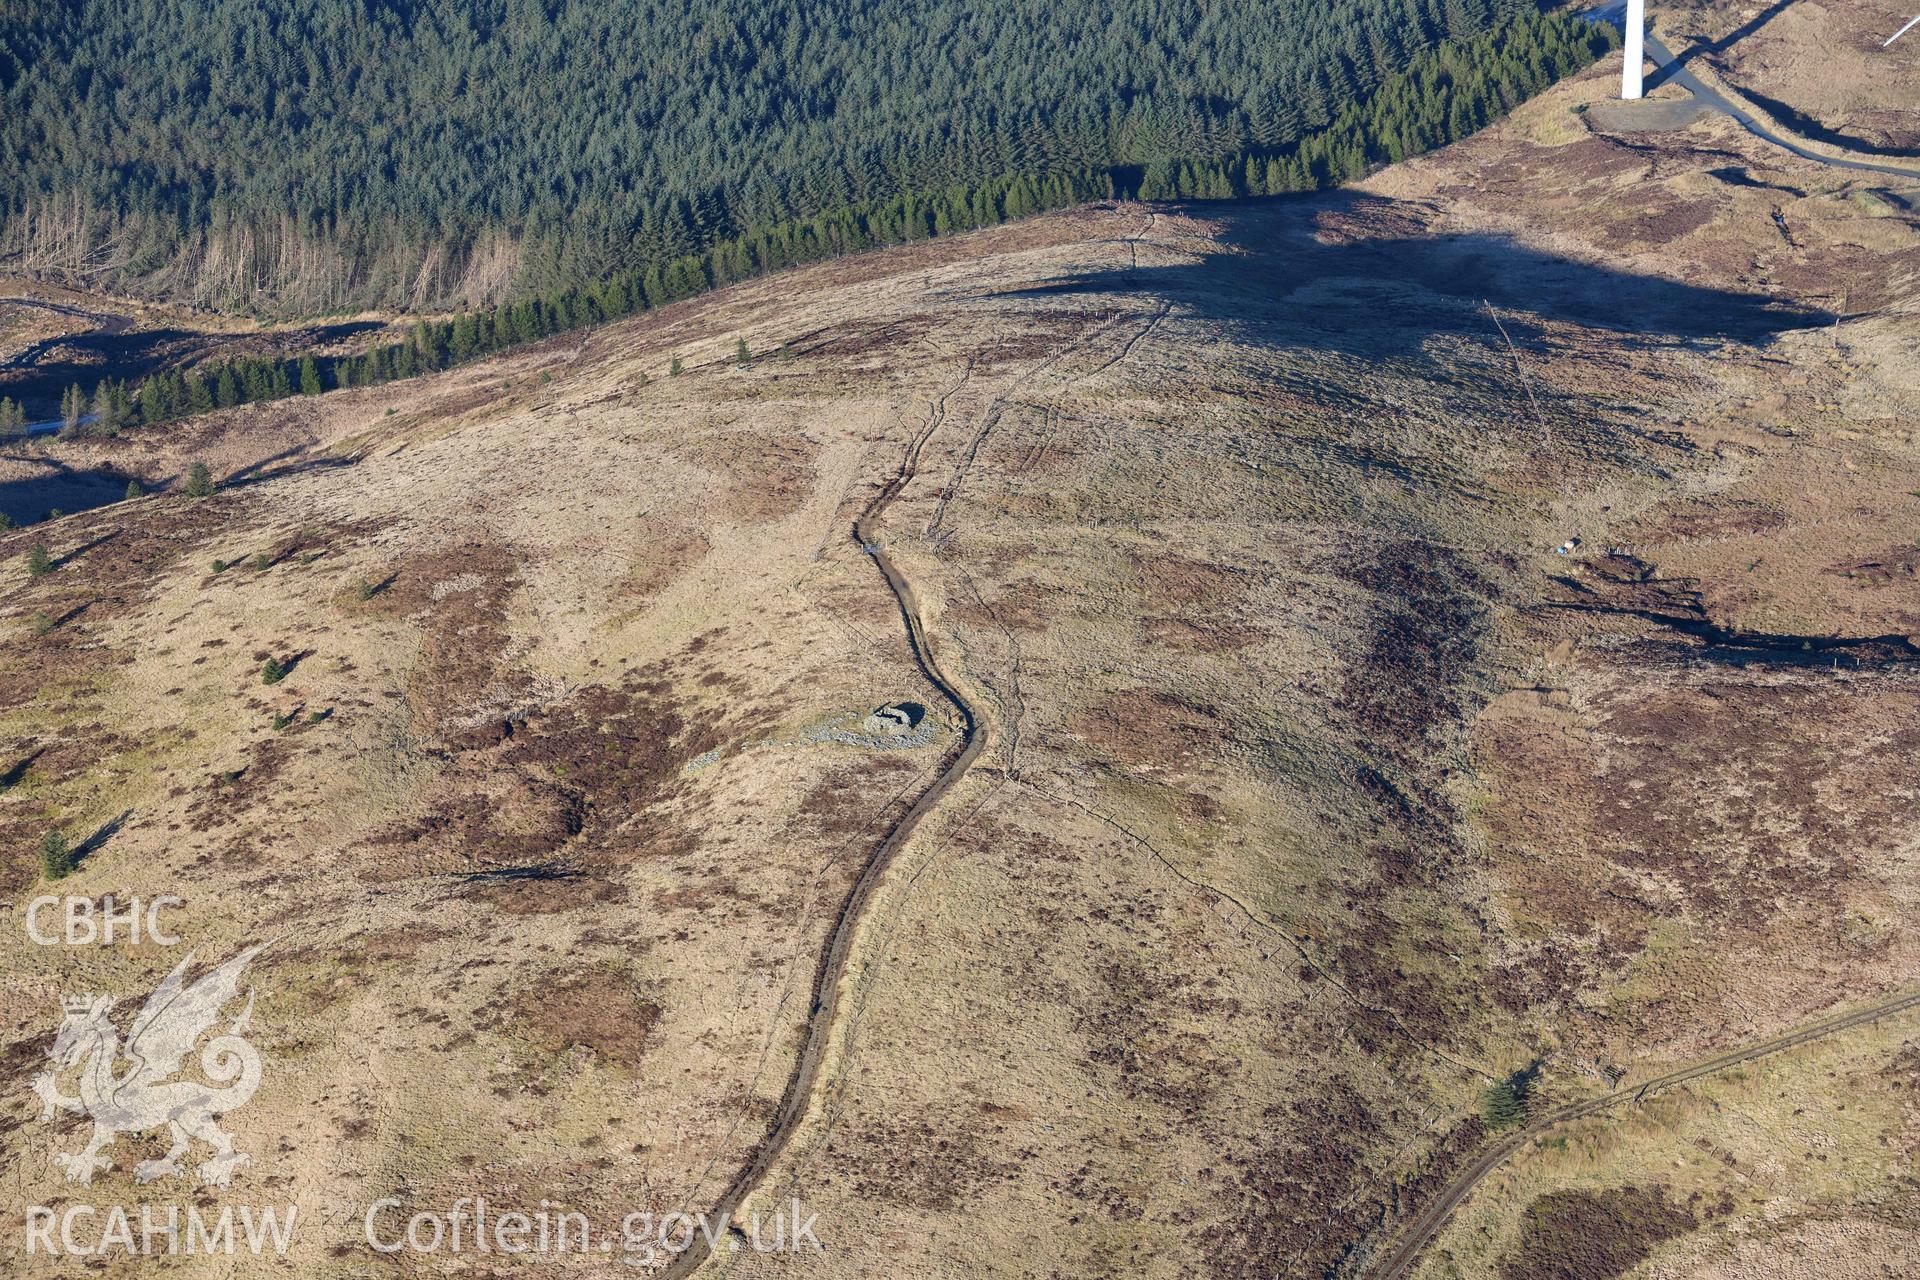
1636, 55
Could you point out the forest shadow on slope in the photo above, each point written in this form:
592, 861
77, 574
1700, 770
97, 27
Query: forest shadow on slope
1354, 274
38, 375
51, 486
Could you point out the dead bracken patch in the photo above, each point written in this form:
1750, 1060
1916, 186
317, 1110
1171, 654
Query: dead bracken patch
850, 339
1198, 635
459, 595
485, 820
1150, 728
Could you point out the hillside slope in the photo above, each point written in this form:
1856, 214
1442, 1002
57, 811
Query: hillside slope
1401, 625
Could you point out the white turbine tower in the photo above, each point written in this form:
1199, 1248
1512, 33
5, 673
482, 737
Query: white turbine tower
1902, 31
1635, 28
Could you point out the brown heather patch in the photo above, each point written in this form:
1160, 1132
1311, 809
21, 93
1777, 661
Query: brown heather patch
1428, 616
1134, 1030
1420, 677
1594, 1235
226, 797
1302, 1197
1903, 1070
1038, 337
318, 542
1897, 566
20, 836
861, 797
592, 1009
118, 552
1366, 960
618, 751
1667, 218
1543, 777
384, 946
1287, 1195
1734, 798
1701, 520
715, 894
1749, 792
540, 809
536, 896
922, 1165
1373, 218
1551, 971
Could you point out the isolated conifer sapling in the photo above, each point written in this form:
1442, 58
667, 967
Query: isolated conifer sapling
56, 856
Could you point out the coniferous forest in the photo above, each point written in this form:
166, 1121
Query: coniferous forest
587, 159
1445, 93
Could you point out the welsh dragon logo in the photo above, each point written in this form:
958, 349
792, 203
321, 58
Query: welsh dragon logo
130, 1089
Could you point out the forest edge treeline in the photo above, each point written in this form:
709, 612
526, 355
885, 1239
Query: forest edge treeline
319, 157
1446, 93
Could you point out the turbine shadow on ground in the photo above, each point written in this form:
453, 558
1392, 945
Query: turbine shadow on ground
1724, 43
1343, 273
1809, 127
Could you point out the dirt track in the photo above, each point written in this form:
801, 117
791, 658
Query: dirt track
825, 998
1673, 69
1419, 1233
